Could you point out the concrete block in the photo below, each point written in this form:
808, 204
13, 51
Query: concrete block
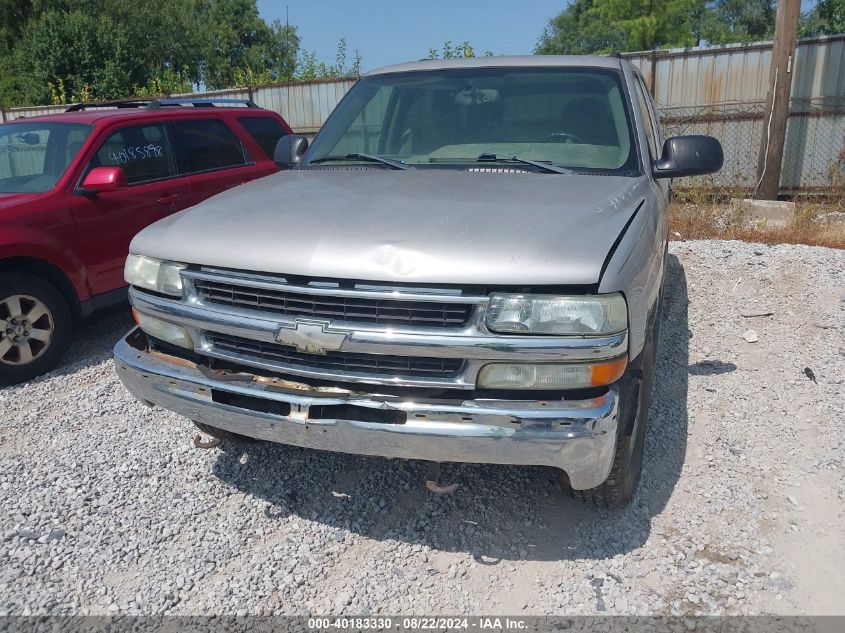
756, 213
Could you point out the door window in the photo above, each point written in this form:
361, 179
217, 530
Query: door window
141, 150
207, 144
648, 119
265, 130
655, 119
35, 155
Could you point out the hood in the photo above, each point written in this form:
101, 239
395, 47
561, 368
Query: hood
8, 200
425, 225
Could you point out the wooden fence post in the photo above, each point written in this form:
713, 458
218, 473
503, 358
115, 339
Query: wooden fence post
777, 106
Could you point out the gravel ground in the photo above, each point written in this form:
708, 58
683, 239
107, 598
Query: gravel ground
109, 508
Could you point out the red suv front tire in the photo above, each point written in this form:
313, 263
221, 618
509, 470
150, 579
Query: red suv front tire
35, 327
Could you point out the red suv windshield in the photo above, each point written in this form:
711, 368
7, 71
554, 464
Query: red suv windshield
34, 155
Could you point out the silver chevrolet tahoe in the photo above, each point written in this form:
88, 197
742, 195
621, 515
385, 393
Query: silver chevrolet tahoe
466, 265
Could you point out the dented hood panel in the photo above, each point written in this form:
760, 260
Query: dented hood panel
426, 226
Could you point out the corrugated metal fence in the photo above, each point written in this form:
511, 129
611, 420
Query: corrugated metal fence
722, 91
305, 105
719, 91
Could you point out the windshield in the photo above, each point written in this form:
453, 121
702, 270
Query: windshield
34, 155
569, 117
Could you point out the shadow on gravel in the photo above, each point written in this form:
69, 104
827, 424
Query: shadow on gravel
498, 513
711, 368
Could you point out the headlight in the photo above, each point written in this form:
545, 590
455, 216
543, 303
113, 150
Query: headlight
585, 315
153, 274
164, 330
551, 375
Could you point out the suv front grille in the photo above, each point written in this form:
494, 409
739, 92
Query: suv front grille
377, 365
387, 312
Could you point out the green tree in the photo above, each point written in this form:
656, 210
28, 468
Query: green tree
14, 14
651, 24
78, 48
170, 82
233, 36
728, 21
448, 51
105, 49
600, 26
309, 68
833, 12
827, 18
578, 30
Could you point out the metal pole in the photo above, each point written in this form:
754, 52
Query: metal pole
652, 80
777, 103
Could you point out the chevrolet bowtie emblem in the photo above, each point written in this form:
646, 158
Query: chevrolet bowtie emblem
313, 337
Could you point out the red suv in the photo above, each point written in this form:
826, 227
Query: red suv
76, 187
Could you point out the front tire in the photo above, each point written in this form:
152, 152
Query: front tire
35, 327
634, 400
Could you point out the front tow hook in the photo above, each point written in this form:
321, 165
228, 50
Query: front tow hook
212, 443
432, 483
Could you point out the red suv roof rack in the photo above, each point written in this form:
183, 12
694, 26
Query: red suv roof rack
155, 104
125, 103
200, 103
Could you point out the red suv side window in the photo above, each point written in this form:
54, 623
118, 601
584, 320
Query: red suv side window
207, 144
34, 155
265, 130
143, 152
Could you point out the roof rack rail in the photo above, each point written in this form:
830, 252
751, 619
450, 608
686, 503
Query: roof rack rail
199, 103
121, 103
155, 104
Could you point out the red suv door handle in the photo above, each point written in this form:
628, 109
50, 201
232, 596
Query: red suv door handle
169, 201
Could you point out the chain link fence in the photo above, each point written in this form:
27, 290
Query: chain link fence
814, 151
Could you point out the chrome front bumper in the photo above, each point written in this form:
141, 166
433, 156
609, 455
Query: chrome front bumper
576, 436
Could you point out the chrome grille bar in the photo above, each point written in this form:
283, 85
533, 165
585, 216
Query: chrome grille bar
340, 308
375, 364
363, 291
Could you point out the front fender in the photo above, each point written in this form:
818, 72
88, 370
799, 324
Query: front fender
636, 269
23, 242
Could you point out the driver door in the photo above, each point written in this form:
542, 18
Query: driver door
106, 222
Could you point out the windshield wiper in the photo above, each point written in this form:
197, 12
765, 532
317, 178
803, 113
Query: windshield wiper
366, 157
501, 158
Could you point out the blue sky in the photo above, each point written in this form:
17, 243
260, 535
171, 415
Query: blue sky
391, 31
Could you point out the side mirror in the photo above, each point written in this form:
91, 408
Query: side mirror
30, 138
689, 156
102, 179
289, 150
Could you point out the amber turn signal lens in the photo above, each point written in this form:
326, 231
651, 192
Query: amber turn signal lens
163, 330
602, 374
551, 375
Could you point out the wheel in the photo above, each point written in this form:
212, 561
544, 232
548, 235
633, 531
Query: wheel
222, 434
35, 327
634, 399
